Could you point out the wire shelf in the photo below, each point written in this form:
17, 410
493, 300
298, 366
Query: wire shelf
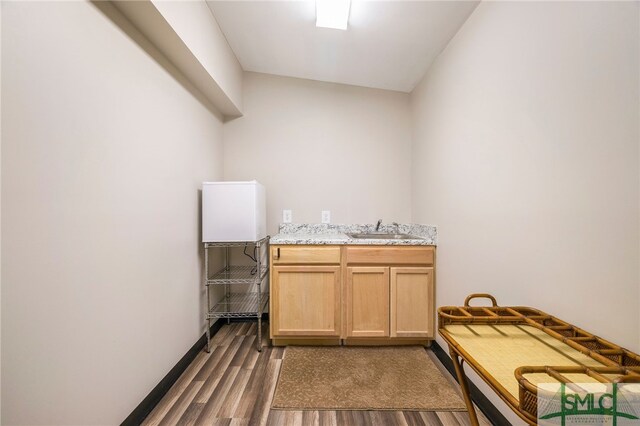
248, 304
238, 275
237, 243
240, 305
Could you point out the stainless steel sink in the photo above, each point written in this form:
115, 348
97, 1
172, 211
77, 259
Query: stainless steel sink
383, 236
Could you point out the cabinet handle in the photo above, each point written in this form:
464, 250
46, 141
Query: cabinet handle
277, 256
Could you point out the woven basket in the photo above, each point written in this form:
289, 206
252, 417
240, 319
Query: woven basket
529, 393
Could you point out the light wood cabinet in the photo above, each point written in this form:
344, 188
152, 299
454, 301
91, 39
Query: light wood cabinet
305, 301
363, 294
306, 255
412, 302
389, 302
385, 255
366, 303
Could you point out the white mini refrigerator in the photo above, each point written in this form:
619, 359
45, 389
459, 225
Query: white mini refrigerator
233, 211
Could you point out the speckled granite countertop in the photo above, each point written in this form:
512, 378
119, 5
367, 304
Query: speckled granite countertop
325, 234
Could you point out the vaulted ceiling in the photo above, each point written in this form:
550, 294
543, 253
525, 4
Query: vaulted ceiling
388, 45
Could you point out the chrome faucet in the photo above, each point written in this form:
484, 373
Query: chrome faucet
378, 225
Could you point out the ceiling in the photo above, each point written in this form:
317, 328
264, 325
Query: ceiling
388, 45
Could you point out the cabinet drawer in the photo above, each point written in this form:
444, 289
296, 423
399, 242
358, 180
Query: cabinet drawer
305, 255
390, 255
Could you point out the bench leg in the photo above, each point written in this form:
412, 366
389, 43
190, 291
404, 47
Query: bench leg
462, 380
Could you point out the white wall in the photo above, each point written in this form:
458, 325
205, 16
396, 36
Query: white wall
320, 146
189, 36
103, 154
0, 219
194, 23
525, 155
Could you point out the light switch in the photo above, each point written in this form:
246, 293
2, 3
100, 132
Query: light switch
326, 216
286, 216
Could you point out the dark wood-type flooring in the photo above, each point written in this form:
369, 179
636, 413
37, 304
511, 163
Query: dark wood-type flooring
234, 384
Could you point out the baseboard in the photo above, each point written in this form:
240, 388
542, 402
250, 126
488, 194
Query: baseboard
143, 409
488, 409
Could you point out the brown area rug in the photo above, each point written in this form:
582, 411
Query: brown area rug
363, 378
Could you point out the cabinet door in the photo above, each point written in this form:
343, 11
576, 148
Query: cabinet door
305, 301
412, 302
367, 302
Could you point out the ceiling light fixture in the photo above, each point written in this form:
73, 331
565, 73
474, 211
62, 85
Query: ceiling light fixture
332, 13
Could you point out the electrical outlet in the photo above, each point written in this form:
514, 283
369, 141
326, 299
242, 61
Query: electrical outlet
326, 216
286, 216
